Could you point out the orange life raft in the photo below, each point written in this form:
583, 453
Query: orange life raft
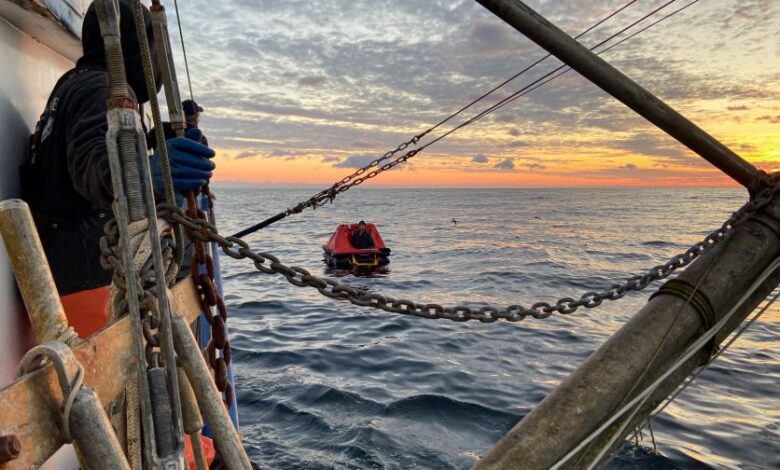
339, 252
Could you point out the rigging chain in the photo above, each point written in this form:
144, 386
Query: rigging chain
270, 264
360, 175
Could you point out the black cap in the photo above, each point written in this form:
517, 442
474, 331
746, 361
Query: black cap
191, 107
362, 222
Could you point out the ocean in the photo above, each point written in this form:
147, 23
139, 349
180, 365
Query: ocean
323, 384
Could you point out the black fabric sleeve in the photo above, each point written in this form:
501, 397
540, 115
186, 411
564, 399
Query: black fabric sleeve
86, 136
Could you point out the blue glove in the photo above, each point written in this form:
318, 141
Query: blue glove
190, 161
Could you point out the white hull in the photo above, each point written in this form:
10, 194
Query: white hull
35, 50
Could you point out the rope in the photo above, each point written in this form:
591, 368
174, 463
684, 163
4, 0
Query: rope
692, 349
690, 296
133, 411
731, 341
183, 48
159, 133
715, 356
605, 448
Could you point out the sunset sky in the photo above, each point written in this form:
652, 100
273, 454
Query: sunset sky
304, 92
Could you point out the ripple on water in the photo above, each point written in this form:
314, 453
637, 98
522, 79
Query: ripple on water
323, 384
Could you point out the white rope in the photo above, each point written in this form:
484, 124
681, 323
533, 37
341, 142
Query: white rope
714, 357
692, 349
701, 369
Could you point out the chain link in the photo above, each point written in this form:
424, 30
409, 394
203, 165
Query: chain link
356, 178
269, 264
210, 298
111, 259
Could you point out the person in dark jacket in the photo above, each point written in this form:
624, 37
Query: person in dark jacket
191, 116
362, 239
67, 179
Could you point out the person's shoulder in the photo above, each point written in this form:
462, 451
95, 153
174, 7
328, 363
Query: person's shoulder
87, 78
85, 86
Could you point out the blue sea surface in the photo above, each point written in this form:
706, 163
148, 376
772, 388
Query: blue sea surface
324, 384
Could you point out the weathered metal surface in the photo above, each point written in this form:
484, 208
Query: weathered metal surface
620, 368
93, 434
609, 79
10, 447
55, 23
82, 416
209, 398
32, 273
29, 70
193, 421
108, 359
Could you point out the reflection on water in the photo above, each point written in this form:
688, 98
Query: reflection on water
357, 272
326, 384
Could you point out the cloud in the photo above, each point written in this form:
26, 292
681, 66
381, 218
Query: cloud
487, 35
247, 154
364, 145
479, 158
535, 166
506, 164
517, 143
312, 80
773, 119
330, 158
629, 166
355, 161
658, 146
288, 80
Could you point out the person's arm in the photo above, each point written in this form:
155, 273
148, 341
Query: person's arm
86, 136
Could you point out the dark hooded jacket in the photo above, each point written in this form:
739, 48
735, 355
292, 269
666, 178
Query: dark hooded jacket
67, 180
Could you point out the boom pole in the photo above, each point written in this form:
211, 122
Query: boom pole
709, 295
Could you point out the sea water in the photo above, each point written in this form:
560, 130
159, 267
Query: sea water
325, 384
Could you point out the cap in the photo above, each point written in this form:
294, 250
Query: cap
362, 222
191, 107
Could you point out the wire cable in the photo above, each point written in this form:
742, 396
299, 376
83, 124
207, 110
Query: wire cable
183, 48
568, 69
518, 74
549, 75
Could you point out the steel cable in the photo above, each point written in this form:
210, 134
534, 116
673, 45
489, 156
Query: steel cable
551, 75
183, 48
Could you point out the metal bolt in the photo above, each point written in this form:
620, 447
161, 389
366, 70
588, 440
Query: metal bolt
10, 448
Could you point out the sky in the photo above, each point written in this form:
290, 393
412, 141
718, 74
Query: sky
305, 92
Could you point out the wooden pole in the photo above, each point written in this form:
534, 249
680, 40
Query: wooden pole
609, 79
